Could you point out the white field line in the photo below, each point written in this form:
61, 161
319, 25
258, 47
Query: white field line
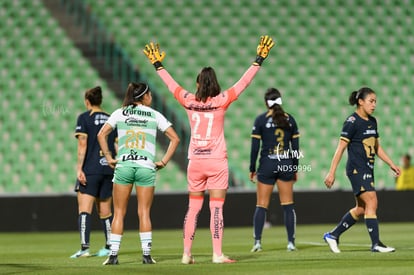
346, 244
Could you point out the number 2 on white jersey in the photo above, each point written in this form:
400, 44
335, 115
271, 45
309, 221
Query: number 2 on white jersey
196, 117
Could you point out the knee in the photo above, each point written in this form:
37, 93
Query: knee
371, 206
105, 212
119, 212
142, 212
357, 212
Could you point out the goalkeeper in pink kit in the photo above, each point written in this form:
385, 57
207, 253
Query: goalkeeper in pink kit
208, 167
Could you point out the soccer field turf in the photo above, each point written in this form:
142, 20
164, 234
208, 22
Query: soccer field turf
48, 253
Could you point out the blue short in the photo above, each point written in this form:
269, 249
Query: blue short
270, 171
361, 181
98, 186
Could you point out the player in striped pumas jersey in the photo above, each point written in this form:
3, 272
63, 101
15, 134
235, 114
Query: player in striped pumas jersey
135, 165
207, 149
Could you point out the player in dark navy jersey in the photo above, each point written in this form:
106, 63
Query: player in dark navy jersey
360, 136
278, 134
94, 176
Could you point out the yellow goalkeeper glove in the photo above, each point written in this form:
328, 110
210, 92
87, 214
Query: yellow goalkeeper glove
152, 51
265, 44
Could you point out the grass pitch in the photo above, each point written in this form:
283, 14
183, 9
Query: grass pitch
48, 253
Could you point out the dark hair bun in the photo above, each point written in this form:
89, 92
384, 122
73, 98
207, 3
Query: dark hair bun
353, 98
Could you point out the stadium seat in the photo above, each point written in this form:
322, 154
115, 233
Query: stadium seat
324, 51
46, 78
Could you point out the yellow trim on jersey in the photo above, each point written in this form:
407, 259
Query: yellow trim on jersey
345, 139
80, 134
256, 136
296, 136
96, 110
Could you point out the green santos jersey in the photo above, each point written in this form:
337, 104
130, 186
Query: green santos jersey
137, 131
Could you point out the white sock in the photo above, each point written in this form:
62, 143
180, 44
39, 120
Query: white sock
146, 242
115, 240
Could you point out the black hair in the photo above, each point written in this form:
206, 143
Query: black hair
135, 93
360, 94
278, 114
208, 85
94, 95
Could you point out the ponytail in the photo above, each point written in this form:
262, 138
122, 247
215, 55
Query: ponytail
353, 98
135, 93
278, 114
360, 94
279, 117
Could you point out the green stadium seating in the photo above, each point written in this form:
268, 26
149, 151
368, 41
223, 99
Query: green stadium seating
43, 82
324, 51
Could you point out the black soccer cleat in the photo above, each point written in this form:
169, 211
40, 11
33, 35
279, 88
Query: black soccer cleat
112, 260
147, 259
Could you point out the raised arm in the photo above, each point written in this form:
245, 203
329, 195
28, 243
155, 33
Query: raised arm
265, 44
152, 51
245, 80
171, 84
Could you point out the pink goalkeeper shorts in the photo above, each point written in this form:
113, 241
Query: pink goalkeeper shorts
206, 174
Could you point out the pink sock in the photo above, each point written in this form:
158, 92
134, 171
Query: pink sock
190, 221
216, 224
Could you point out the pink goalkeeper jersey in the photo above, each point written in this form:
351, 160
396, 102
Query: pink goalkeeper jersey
207, 118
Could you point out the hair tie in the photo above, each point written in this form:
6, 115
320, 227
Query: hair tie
271, 102
358, 94
136, 97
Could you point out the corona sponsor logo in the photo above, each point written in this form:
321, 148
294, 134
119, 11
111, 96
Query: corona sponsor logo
138, 112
